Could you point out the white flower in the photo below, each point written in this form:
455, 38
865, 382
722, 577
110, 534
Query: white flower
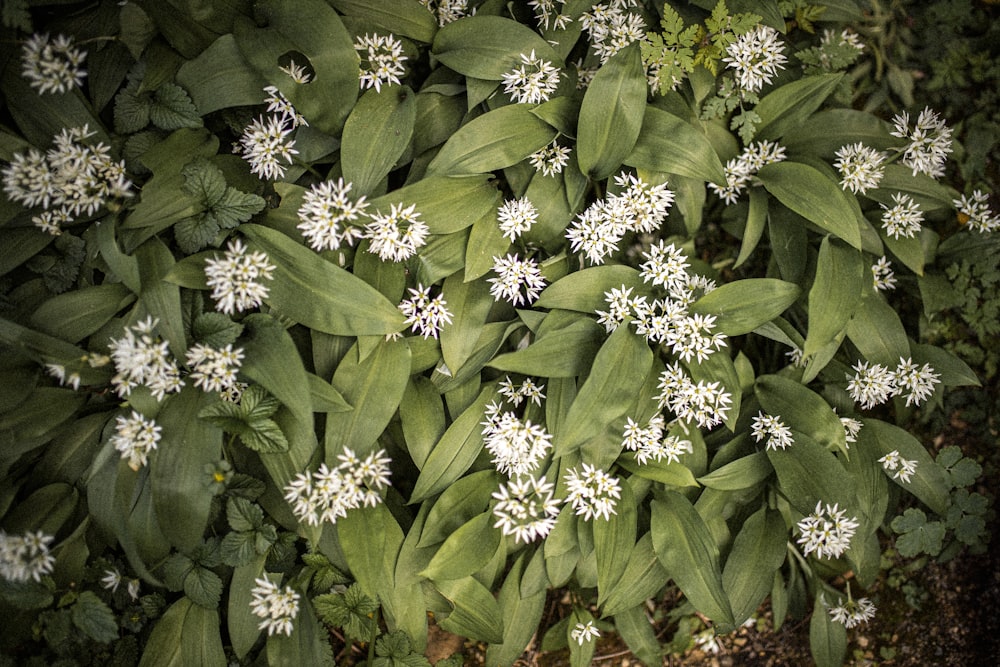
648, 442
619, 308
278, 104
882, 275
52, 66
977, 213
871, 385
27, 556
214, 370
426, 316
278, 606
296, 73
904, 218
826, 531
611, 27
551, 159
929, 142
135, 437
597, 231
111, 579
265, 143
58, 371
143, 359
398, 235
851, 429
741, 169
447, 11
756, 56
918, 382
517, 281
236, 278
526, 509
853, 612
381, 60
593, 493
666, 265
549, 16
704, 403
527, 390
517, 447
891, 461
326, 212
328, 493
533, 81
516, 216
647, 204
772, 429
584, 633
860, 167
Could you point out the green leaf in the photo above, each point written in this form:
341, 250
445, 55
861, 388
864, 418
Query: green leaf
929, 482
743, 473
522, 611
185, 635
743, 305
475, 613
827, 638
487, 47
841, 276
614, 541
94, 618
826, 132
370, 539
235, 207
816, 197
459, 503
953, 371
446, 203
497, 139
789, 105
400, 17
219, 77
611, 115
801, 409
243, 514
467, 550
619, 370
564, 350
241, 622
669, 144
309, 643
916, 534
172, 109
634, 627
757, 554
394, 650
194, 233
689, 554
375, 136
808, 474
470, 303
584, 291
351, 610
877, 332
131, 110
203, 586
239, 548
74, 315
312, 291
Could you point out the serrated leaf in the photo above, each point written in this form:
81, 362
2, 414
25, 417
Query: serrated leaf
172, 109
204, 181
239, 548
95, 618
351, 610
215, 329
195, 233
917, 534
131, 111
235, 207
265, 436
203, 586
243, 514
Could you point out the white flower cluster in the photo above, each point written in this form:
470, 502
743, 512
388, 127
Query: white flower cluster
929, 142
756, 55
236, 278
860, 167
527, 390
903, 219
883, 277
326, 213
516, 216
593, 493
533, 81
425, 315
112, 579
52, 65
518, 447
583, 633
704, 403
901, 469
24, 557
772, 429
214, 369
71, 179
135, 437
875, 384
612, 26
447, 11
852, 612
143, 359
845, 38
639, 207
742, 168
827, 531
648, 442
526, 508
396, 236
550, 14
267, 141
296, 73
328, 493
977, 211
517, 280
551, 159
851, 429
278, 606
381, 60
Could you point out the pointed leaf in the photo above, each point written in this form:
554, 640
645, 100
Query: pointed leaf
801, 409
877, 332
840, 279
669, 144
743, 305
475, 612
375, 136
466, 550
816, 197
643, 577
789, 105
487, 47
614, 541
757, 553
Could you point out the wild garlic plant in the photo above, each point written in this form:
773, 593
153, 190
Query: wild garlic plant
366, 313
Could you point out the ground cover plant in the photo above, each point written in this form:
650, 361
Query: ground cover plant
357, 317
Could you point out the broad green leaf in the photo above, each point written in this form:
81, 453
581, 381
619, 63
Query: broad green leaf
808, 473
841, 276
313, 28
757, 553
634, 626
324, 397
75, 315
787, 106
929, 482
475, 613
953, 371
272, 360
161, 299
486, 242
21, 244
185, 635
521, 612
909, 251
95, 618
619, 370
801, 409
816, 197
122, 266
563, 351
827, 637
309, 643
669, 144
467, 550
400, 17
220, 78
611, 114
375, 136
455, 452
689, 554
408, 609
925, 191
446, 203
614, 541
584, 291
312, 291
497, 139
182, 492
47, 349
38, 118
421, 414
755, 226
827, 131
877, 332
370, 540
487, 47
470, 303
458, 504
743, 305
669, 473
743, 473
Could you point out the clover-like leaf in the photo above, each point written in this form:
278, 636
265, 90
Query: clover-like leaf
351, 610
394, 650
917, 534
